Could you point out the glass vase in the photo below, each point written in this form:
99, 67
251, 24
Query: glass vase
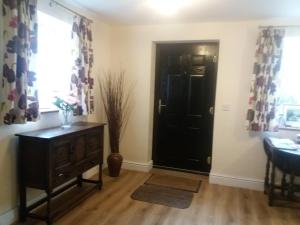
66, 119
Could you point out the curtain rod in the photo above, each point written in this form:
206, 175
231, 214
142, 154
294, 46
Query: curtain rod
283, 26
70, 10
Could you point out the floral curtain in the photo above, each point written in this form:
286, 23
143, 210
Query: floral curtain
81, 81
18, 93
262, 100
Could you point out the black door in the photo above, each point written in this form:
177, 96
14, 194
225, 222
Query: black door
184, 105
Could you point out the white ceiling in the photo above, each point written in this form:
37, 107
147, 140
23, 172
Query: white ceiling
139, 12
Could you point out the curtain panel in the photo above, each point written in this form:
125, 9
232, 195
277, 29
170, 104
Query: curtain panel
263, 100
81, 81
18, 92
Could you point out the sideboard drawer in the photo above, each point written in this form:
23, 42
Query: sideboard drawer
63, 175
92, 161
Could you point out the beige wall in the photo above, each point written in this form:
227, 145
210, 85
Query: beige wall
236, 152
8, 143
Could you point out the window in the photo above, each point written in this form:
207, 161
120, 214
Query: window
54, 59
289, 94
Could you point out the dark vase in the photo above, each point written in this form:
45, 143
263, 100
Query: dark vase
114, 162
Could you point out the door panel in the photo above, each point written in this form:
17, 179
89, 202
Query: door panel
185, 90
196, 95
93, 145
62, 155
79, 148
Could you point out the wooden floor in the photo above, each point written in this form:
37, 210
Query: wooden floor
213, 205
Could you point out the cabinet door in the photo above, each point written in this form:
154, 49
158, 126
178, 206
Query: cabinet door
62, 153
94, 142
79, 143
62, 159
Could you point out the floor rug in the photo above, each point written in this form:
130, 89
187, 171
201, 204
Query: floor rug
163, 195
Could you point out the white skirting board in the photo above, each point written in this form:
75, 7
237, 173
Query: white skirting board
143, 167
234, 181
9, 217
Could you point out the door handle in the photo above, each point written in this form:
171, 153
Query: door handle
211, 110
160, 105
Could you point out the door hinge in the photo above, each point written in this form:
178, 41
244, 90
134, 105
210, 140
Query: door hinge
208, 160
211, 110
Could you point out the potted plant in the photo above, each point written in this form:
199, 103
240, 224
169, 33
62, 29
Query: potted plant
116, 102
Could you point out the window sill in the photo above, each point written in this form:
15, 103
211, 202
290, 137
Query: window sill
48, 110
290, 128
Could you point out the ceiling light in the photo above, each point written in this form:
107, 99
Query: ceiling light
168, 7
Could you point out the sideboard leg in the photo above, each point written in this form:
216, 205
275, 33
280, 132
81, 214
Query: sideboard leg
100, 177
49, 221
283, 184
22, 209
49, 216
79, 180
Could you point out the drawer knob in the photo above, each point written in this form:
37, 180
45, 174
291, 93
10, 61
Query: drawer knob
61, 174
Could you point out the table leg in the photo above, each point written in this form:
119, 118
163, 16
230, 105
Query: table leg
283, 184
271, 190
291, 186
267, 175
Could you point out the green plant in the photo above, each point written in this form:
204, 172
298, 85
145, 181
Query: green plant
66, 105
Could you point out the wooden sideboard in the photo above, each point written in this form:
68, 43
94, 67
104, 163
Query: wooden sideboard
56, 158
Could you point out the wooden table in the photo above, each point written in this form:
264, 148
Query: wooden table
54, 160
288, 162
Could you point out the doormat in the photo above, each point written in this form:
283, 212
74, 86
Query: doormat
163, 195
179, 183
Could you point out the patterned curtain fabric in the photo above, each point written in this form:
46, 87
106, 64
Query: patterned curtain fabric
81, 81
262, 100
18, 93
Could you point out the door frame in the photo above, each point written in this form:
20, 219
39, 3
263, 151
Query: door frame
156, 98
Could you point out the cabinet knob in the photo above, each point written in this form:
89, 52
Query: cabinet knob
61, 174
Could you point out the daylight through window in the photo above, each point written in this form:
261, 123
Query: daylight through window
54, 59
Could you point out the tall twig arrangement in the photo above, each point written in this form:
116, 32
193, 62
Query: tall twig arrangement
117, 106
